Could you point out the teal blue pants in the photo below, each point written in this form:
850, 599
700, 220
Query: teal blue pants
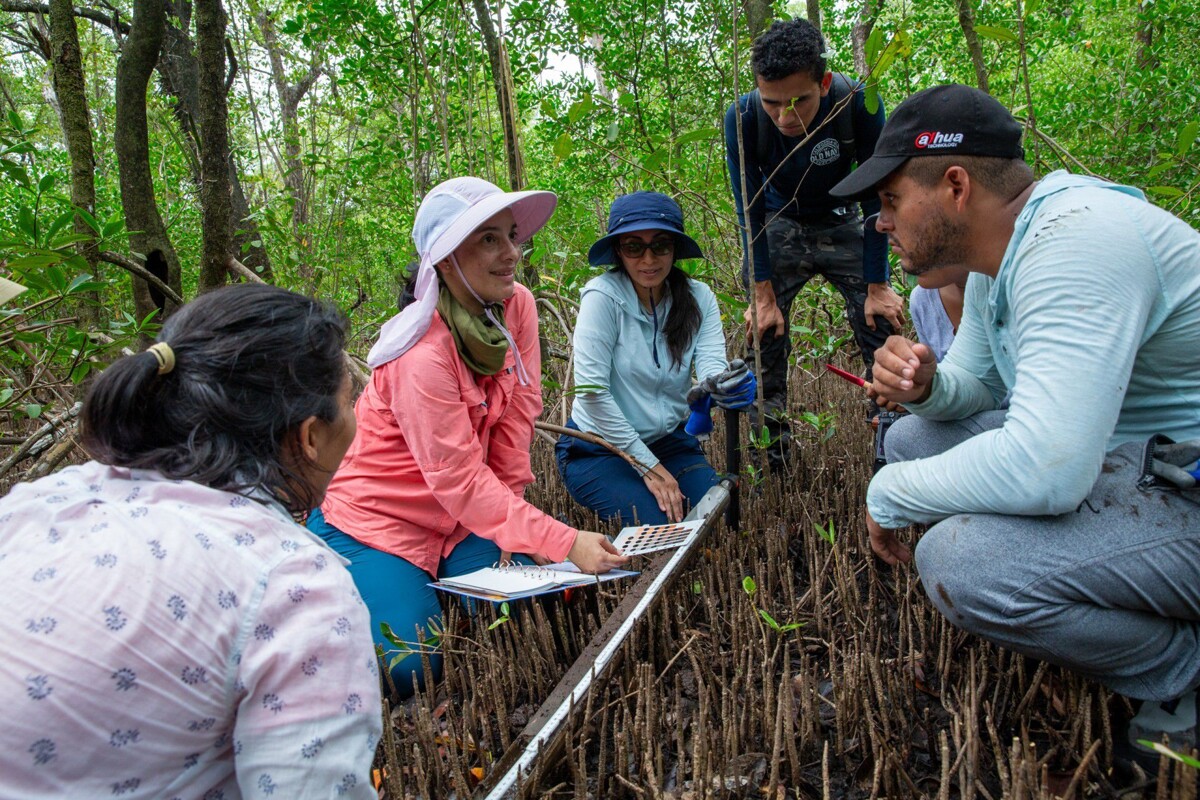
397, 592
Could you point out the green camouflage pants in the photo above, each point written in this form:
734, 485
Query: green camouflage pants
830, 246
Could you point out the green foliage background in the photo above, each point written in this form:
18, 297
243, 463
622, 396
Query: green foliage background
612, 97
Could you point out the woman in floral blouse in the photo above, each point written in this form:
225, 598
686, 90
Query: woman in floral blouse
169, 630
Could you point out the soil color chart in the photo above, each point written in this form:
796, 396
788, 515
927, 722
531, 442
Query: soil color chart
650, 538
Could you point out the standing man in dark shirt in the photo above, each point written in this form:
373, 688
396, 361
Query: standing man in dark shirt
795, 148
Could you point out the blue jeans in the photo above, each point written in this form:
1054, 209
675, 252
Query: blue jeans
608, 485
396, 591
1110, 590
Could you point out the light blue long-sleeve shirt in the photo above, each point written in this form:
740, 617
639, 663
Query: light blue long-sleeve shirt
1093, 323
633, 394
930, 320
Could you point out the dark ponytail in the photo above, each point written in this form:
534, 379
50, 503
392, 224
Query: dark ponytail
408, 288
684, 319
251, 363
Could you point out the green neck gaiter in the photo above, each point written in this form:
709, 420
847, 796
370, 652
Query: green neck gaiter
481, 344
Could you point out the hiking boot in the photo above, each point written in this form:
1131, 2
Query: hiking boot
1173, 723
1175, 720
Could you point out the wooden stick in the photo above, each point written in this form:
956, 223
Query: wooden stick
587, 436
137, 269
240, 270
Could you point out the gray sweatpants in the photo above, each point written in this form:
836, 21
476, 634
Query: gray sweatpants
1110, 590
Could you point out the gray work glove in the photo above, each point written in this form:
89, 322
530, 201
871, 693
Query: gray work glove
1177, 463
735, 388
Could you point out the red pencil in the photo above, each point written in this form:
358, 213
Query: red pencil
847, 375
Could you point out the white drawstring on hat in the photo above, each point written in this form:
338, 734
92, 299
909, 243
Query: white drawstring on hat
522, 375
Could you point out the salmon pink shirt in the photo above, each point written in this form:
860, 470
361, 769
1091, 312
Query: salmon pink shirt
442, 452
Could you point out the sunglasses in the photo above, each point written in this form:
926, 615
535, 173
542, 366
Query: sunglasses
634, 248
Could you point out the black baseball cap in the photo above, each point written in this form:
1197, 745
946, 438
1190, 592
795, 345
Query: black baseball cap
939, 121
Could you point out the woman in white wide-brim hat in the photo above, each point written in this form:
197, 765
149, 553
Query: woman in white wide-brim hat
433, 485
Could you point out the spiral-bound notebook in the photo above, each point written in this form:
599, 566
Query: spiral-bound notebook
511, 581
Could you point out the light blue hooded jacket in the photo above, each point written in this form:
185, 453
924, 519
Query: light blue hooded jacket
1093, 324
631, 392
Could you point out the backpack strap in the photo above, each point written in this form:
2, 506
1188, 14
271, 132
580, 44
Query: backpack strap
763, 139
840, 88
843, 124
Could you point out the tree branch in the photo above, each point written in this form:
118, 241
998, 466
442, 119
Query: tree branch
1062, 152
306, 83
587, 436
240, 270
966, 20
233, 65
26, 7
360, 374
137, 269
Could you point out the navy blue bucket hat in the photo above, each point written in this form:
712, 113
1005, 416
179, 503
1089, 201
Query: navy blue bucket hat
643, 211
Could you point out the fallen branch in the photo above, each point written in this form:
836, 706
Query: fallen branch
106, 339
54, 455
586, 436
140, 271
52, 426
555, 350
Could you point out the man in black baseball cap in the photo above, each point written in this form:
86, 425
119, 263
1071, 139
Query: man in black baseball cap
949, 132
943, 120
1083, 306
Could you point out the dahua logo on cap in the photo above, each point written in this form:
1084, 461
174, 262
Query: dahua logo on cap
935, 139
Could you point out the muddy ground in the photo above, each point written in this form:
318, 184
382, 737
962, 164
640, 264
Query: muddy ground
855, 687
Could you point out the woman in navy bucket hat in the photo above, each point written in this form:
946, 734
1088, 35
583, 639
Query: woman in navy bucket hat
643, 211
644, 326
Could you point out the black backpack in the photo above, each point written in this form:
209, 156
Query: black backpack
843, 122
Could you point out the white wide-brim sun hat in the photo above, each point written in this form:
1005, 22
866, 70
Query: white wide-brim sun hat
10, 289
447, 216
